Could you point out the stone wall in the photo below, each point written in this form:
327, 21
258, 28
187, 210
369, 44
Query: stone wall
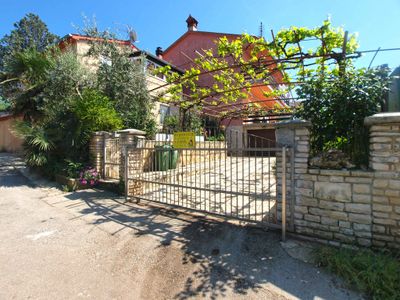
385, 161
347, 207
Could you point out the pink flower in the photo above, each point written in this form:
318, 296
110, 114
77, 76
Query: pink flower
84, 181
92, 182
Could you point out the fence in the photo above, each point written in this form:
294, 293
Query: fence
234, 182
353, 207
8, 141
112, 157
236, 179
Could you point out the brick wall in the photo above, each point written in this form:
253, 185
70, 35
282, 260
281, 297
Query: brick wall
96, 147
343, 206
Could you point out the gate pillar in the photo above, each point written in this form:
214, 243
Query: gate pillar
128, 138
295, 136
96, 150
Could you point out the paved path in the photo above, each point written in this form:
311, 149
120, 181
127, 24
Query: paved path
92, 245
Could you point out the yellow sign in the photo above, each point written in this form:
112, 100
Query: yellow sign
184, 140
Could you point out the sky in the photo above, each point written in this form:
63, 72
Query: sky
160, 23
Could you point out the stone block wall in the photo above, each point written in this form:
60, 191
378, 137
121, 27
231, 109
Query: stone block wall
136, 164
347, 206
385, 190
335, 205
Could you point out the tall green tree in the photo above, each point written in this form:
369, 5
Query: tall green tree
24, 80
29, 33
122, 79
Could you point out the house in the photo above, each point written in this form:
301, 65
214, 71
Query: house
81, 45
190, 45
393, 102
160, 110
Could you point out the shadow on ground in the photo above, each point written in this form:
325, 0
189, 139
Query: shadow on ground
9, 176
226, 256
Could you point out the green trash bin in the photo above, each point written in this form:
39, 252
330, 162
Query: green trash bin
161, 158
173, 158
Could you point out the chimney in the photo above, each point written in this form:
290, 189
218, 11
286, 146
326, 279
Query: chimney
159, 52
191, 23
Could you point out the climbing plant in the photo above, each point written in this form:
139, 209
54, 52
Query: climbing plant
312, 65
236, 66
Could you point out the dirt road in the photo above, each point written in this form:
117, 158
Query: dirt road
92, 245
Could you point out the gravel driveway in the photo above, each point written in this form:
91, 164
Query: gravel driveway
90, 244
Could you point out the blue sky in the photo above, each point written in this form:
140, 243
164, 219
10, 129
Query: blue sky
159, 23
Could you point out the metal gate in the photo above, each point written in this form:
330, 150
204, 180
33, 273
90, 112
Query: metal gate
111, 158
228, 179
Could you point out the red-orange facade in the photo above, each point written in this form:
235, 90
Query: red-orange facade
192, 44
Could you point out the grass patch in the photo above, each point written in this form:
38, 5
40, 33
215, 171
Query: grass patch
375, 274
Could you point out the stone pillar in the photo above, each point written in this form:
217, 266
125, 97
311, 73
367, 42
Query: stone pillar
384, 141
129, 138
385, 161
96, 150
295, 136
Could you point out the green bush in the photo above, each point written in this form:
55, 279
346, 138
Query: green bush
337, 107
95, 112
375, 274
72, 169
4, 105
72, 130
66, 135
171, 123
220, 138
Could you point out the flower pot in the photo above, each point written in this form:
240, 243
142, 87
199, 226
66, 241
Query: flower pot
72, 183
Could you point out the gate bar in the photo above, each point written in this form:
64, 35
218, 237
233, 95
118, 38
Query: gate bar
126, 169
292, 189
193, 187
284, 194
104, 156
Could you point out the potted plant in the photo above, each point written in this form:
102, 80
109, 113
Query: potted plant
77, 177
88, 177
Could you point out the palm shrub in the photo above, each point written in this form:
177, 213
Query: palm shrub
37, 143
67, 137
60, 107
25, 77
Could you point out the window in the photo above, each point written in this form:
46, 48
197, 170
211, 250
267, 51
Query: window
164, 111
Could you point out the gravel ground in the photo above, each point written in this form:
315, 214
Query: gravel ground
90, 244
